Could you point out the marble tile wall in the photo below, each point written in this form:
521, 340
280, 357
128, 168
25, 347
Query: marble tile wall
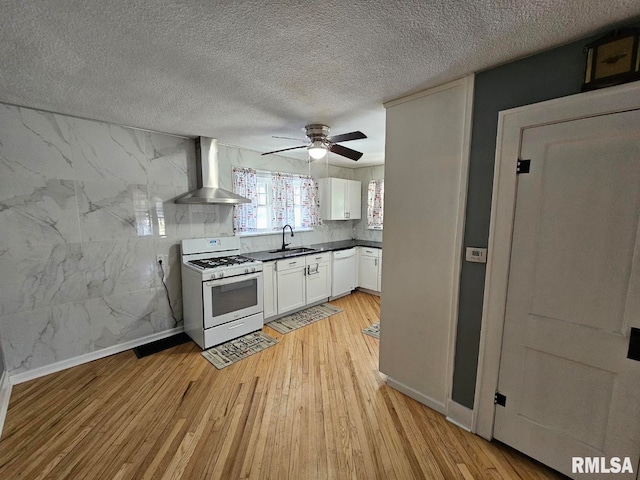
365, 175
83, 212
84, 209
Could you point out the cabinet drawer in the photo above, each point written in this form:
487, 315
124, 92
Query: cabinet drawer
370, 252
288, 264
318, 258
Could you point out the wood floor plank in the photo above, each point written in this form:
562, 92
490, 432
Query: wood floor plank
314, 406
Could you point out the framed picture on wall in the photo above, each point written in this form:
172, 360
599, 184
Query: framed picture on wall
612, 59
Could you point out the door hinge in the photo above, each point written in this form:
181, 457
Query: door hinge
523, 166
500, 399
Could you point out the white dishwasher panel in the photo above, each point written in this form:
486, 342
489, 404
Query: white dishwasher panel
343, 279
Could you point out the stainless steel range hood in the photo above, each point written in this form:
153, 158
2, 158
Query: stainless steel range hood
209, 191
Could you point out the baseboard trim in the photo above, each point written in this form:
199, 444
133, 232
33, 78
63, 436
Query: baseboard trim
419, 397
459, 415
370, 292
5, 395
89, 357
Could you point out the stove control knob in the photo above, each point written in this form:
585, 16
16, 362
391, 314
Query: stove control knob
253, 270
246, 270
221, 275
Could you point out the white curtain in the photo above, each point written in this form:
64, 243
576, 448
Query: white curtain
245, 217
310, 203
375, 204
282, 201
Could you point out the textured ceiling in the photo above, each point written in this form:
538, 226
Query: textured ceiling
242, 71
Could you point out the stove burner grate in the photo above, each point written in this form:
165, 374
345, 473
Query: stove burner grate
206, 263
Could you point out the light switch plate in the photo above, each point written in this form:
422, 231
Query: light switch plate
476, 254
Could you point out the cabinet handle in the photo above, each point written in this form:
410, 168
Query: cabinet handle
376, 263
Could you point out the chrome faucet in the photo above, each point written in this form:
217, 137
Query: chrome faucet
284, 245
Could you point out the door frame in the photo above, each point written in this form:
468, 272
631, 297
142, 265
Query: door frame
511, 124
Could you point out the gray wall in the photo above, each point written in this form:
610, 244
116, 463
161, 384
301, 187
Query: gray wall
552, 74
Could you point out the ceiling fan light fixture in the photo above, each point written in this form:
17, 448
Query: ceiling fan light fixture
317, 150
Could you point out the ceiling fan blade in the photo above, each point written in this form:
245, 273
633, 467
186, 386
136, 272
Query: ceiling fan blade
289, 138
285, 149
345, 137
345, 152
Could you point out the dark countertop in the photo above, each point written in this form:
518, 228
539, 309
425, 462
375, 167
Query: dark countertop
267, 256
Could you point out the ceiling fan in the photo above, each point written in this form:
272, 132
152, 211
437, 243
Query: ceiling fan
319, 142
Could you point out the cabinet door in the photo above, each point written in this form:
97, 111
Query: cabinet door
318, 282
368, 272
270, 288
333, 198
354, 200
291, 289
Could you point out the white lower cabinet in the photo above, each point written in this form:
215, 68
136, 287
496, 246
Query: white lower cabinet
318, 278
270, 289
369, 268
291, 284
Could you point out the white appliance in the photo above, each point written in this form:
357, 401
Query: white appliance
343, 279
221, 291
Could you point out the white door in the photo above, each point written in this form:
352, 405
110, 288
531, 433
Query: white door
573, 296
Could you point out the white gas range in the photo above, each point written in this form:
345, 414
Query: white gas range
221, 291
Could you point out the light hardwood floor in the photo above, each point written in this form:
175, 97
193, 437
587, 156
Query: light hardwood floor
312, 407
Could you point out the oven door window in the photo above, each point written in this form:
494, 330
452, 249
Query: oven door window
233, 297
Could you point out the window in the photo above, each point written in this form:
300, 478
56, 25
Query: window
263, 201
375, 204
277, 199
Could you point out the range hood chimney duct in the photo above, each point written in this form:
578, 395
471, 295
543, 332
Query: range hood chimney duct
208, 178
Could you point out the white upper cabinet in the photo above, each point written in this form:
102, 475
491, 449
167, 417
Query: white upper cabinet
340, 199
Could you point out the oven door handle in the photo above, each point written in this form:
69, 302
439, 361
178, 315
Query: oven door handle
235, 279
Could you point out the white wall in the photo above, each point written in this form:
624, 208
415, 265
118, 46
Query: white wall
425, 181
